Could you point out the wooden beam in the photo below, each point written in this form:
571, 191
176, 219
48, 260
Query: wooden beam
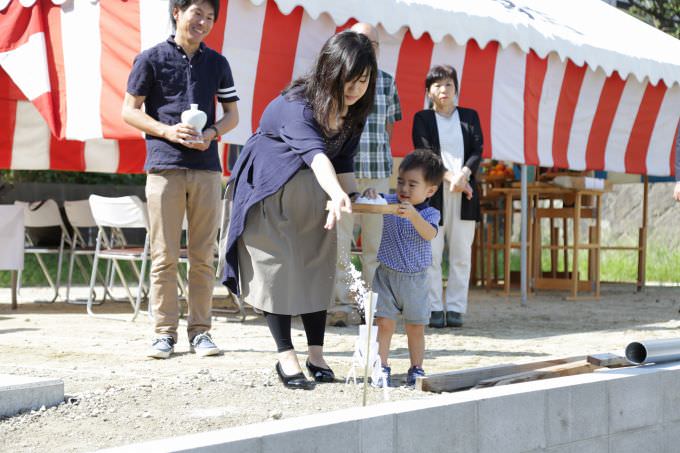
464, 379
565, 369
608, 360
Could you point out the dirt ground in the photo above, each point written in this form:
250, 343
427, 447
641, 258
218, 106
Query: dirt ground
116, 396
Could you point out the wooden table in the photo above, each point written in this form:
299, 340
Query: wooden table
539, 193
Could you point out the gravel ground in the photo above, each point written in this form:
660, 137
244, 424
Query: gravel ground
115, 396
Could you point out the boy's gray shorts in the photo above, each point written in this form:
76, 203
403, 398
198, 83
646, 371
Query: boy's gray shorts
401, 292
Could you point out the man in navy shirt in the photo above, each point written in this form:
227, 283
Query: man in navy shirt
183, 166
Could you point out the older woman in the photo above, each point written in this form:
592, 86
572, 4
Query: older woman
454, 133
279, 252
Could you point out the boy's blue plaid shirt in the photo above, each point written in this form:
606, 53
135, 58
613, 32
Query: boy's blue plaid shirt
374, 156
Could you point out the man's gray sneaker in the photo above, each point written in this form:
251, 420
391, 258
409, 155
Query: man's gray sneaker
203, 345
161, 347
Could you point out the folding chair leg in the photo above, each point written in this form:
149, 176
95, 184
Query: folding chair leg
46, 273
141, 278
93, 277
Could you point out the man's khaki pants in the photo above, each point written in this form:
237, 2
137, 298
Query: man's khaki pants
371, 233
169, 194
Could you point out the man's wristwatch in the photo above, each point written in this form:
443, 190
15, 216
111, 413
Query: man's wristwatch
217, 133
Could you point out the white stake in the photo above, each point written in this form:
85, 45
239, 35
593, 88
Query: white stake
368, 314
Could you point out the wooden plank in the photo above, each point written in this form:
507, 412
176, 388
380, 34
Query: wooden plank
363, 208
566, 369
608, 360
463, 379
557, 283
566, 213
14, 305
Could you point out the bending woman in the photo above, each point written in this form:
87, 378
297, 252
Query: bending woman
280, 254
455, 134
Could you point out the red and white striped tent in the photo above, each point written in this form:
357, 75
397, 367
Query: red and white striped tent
573, 84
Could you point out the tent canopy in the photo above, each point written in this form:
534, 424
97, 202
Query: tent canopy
553, 87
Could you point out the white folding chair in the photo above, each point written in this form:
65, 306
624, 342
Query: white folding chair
79, 215
111, 216
41, 214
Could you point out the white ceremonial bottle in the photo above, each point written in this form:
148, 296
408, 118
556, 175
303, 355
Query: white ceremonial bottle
195, 117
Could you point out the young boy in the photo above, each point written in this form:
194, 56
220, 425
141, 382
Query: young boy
404, 255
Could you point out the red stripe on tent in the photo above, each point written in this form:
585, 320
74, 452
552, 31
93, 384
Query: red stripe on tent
564, 115
674, 146
57, 73
412, 66
215, 39
116, 61
477, 86
8, 89
17, 24
67, 155
131, 155
641, 133
277, 56
8, 117
610, 96
534, 77
347, 25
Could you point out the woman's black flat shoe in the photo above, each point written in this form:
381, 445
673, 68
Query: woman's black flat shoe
295, 381
320, 374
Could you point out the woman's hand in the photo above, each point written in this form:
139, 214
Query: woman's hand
676, 191
339, 203
370, 193
459, 182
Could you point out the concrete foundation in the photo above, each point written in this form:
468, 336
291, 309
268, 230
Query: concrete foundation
624, 410
22, 393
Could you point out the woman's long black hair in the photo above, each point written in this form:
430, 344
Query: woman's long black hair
343, 58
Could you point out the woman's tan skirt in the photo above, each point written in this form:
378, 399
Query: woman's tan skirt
285, 256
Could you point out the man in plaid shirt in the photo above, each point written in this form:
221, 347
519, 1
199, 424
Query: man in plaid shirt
372, 168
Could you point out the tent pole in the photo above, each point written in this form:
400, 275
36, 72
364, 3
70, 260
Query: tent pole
523, 236
642, 237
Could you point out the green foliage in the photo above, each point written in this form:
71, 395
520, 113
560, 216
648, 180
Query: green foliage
662, 14
74, 177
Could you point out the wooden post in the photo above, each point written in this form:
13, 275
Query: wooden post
642, 238
14, 305
507, 238
576, 226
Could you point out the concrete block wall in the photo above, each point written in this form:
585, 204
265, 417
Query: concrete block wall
21, 393
616, 411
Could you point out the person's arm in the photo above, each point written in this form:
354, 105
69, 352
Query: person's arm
389, 128
348, 182
328, 180
136, 117
422, 226
228, 121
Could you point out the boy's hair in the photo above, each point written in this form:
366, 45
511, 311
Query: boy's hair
430, 163
184, 4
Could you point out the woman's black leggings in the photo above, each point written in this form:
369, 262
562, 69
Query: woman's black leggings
279, 326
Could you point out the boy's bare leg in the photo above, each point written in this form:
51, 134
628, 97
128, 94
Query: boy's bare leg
416, 343
385, 331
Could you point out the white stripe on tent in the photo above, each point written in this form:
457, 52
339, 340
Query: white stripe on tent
152, 28
583, 118
313, 34
101, 155
547, 108
27, 66
242, 48
31, 146
507, 108
451, 53
389, 50
81, 38
658, 156
615, 151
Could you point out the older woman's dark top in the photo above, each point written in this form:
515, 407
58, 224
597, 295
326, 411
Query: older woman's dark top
286, 141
